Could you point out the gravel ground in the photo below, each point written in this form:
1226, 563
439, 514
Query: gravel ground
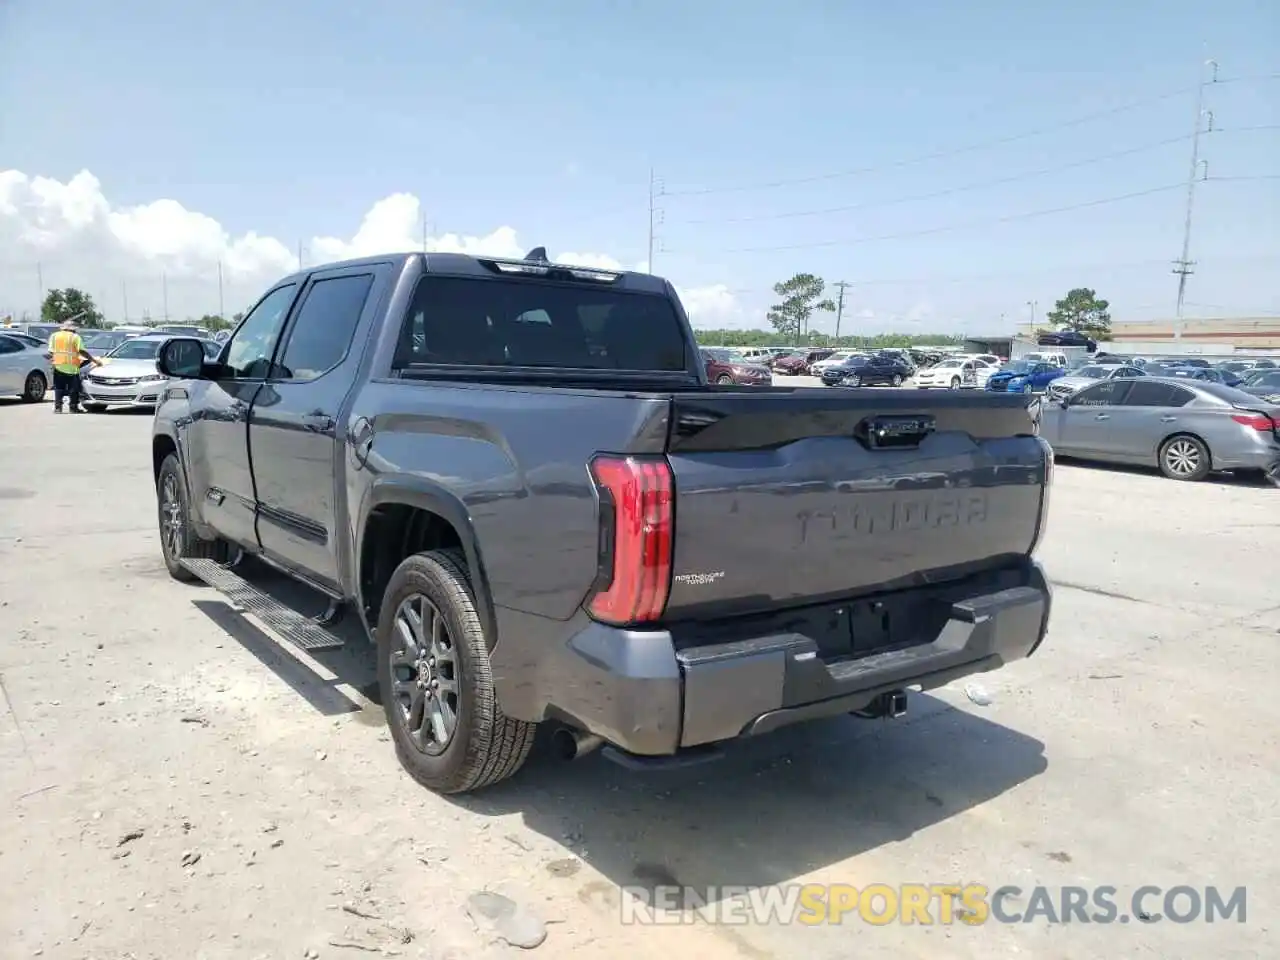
181, 787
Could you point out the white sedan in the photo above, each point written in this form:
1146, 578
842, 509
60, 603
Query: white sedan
954, 375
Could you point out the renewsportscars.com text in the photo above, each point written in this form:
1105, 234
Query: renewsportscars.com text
922, 904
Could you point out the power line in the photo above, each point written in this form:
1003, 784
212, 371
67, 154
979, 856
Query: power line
968, 148
977, 185
946, 228
1009, 218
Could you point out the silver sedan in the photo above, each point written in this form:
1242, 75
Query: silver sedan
1185, 427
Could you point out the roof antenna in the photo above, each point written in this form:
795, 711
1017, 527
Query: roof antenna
537, 254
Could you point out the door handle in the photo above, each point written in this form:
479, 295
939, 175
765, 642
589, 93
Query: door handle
1103, 416
1168, 419
320, 422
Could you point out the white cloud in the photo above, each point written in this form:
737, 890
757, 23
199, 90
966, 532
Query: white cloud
160, 257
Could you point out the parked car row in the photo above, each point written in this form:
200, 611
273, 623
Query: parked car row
127, 377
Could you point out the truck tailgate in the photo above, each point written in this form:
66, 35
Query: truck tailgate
789, 497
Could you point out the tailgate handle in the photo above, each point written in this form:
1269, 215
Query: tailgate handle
895, 433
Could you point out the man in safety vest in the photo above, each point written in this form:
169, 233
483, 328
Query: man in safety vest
66, 350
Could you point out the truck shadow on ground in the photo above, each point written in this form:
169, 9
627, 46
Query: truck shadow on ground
768, 811
772, 809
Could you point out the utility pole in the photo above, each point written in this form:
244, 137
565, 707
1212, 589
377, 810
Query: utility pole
40, 280
124, 296
1184, 265
840, 285
1032, 304
221, 309
655, 213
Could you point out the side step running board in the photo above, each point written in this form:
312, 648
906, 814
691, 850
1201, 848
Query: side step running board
299, 630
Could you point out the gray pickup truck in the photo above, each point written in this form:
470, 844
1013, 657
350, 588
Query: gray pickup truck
518, 477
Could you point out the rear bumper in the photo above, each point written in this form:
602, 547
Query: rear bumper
637, 691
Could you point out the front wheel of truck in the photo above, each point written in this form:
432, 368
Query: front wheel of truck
436, 683
178, 540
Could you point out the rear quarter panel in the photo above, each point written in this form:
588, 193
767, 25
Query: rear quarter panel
515, 460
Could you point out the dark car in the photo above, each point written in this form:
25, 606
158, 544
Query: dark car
1262, 383
835, 372
724, 367
1205, 374
517, 479
879, 370
1066, 338
799, 364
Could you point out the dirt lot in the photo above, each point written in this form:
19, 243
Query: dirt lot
180, 787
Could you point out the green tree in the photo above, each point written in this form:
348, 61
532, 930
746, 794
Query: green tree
213, 323
70, 304
798, 298
1081, 310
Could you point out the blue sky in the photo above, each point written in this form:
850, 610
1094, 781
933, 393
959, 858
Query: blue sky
292, 119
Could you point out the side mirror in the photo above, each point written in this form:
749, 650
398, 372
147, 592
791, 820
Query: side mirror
181, 358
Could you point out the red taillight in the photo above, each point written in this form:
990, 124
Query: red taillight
1256, 420
636, 514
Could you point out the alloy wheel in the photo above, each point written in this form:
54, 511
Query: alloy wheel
424, 674
172, 520
1182, 457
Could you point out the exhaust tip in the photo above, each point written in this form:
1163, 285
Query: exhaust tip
896, 704
570, 744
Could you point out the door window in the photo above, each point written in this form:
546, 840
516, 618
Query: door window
1105, 394
10, 345
251, 346
1147, 393
324, 327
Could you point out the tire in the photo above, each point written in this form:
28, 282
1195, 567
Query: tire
724, 380
955, 383
484, 746
181, 542
1185, 457
35, 387
854, 380
896, 381
1026, 388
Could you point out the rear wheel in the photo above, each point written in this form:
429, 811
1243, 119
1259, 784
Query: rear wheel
35, 387
178, 541
1185, 457
897, 380
436, 682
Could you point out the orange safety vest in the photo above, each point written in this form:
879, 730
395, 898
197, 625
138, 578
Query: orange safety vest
65, 345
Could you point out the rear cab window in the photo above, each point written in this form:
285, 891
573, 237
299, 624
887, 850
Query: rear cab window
520, 323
